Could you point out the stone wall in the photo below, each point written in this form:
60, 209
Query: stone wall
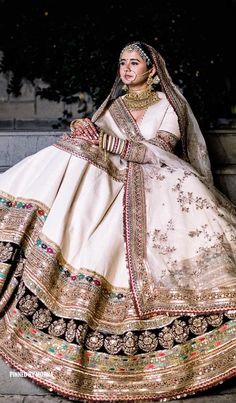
222, 150
16, 145
30, 112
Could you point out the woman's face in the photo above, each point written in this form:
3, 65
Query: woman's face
133, 69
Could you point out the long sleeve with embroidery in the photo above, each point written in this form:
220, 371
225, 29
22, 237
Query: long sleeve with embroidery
166, 138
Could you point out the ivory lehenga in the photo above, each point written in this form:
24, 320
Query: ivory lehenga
118, 274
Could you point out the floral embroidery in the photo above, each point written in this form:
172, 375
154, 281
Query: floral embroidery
57, 328
148, 341
28, 304
23, 205
153, 172
42, 318
165, 140
45, 247
71, 331
130, 343
113, 344
186, 199
160, 239
6, 251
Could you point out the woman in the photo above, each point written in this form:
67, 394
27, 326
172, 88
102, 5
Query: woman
118, 254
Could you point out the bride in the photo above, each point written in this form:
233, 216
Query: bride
117, 253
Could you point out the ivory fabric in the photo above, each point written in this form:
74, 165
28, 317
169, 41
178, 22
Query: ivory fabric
120, 275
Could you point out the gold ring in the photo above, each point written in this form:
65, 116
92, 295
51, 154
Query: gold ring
73, 123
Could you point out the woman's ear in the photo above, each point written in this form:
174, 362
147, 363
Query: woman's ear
153, 71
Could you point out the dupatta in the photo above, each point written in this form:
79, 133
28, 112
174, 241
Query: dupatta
193, 145
194, 159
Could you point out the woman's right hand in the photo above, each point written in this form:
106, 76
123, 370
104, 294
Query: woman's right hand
84, 128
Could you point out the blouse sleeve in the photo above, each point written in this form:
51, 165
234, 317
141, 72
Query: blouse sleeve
166, 138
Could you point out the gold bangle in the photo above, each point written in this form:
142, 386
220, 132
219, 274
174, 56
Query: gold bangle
100, 139
102, 134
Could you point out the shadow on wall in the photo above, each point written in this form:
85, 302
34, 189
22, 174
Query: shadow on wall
30, 112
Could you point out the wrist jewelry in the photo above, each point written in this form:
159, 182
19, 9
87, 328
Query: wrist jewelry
102, 143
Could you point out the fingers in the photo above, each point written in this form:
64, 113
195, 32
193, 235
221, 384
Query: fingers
79, 131
84, 127
90, 129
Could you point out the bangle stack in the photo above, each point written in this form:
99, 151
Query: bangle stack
112, 144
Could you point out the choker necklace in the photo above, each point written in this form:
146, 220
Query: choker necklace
136, 101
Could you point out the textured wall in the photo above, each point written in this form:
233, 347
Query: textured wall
30, 112
222, 150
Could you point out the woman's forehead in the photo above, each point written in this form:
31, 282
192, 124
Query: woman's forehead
133, 54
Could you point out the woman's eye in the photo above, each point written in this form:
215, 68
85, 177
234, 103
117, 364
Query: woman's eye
134, 63
122, 63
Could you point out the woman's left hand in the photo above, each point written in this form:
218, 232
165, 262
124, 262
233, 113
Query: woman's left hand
89, 140
85, 129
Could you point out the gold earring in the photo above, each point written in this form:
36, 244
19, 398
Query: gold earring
156, 79
152, 81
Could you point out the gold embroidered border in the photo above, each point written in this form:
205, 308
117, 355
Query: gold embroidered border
125, 121
165, 140
197, 365
107, 308
71, 295
93, 155
12, 198
24, 222
82, 294
135, 152
150, 299
129, 343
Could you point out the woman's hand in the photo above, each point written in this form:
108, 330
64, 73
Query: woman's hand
84, 129
89, 140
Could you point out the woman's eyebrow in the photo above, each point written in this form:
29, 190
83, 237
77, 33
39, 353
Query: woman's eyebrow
136, 60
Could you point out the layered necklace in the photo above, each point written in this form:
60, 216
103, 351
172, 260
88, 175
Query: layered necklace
136, 101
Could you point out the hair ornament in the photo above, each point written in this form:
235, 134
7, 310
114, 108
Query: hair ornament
134, 47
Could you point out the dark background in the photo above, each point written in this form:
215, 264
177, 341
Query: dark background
75, 45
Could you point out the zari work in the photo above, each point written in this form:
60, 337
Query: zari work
118, 274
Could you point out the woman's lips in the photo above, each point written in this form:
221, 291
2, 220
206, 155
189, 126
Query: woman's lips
128, 77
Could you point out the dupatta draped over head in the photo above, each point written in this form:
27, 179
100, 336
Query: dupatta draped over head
193, 146
144, 199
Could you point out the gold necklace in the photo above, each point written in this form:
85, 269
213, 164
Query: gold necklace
140, 100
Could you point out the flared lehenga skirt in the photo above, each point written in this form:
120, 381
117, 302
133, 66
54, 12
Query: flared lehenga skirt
74, 315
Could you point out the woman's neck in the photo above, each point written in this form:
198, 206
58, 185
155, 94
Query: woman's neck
137, 89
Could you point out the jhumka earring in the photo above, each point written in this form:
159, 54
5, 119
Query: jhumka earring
152, 81
125, 88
